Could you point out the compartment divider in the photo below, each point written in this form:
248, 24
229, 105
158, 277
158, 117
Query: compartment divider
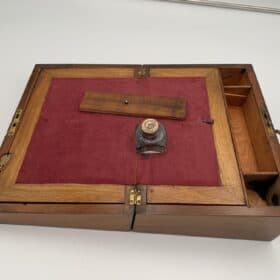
255, 156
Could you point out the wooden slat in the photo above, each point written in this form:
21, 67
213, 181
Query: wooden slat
244, 148
59, 193
238, 89
134, 105
218, 195
260, 141
259, 176
235, 99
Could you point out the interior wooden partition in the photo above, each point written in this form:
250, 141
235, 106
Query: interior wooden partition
251, 129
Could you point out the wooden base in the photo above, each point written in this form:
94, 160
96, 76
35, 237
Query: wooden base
237, 222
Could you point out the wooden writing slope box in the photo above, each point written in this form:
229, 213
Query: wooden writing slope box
219, 177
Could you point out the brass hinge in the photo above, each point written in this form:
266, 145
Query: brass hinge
4, 159
142, 72
135, 197
15, 122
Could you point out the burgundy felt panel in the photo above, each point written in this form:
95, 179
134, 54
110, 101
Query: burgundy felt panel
69, 146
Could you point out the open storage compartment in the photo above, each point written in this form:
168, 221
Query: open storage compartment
249, 124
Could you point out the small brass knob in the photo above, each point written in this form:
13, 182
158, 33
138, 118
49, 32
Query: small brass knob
150, 126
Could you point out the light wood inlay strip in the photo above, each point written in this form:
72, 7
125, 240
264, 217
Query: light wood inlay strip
82, 193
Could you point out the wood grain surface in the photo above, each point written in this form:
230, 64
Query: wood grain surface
134, 105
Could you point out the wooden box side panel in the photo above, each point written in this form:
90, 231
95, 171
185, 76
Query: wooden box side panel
270, 132
105, 217
229, 222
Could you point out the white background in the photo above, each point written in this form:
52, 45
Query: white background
131, 31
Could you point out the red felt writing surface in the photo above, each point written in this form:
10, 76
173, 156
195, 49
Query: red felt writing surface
69, 146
